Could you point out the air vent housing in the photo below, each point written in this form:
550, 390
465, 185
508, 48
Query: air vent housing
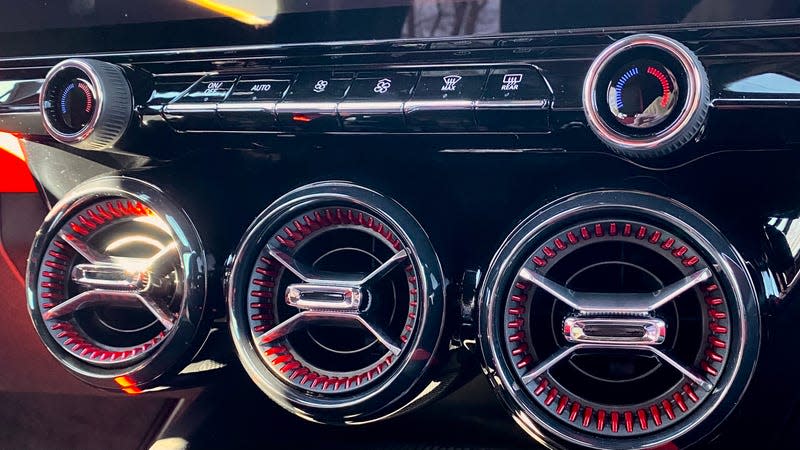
117, 284
618, 320
336, 300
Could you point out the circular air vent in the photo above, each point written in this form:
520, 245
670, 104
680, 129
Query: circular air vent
336, 304
116, 283
618, 320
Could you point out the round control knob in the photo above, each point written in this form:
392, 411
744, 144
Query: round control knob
646, 95
86, 103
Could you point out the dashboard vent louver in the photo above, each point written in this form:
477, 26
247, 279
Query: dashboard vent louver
116, 282
336, 303
612, 323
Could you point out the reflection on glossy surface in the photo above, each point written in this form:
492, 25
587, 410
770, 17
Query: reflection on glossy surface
436, 18
765, 83
15, 92
39, 28
784, 236
249, 12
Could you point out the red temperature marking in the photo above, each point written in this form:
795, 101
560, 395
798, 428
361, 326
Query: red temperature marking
664, 84
88, 93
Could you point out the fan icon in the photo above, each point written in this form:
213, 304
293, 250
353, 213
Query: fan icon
382, 86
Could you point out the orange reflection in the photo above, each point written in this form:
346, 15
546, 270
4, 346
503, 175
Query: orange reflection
233, 12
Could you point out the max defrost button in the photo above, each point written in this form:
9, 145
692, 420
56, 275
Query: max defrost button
375, 101
443, 100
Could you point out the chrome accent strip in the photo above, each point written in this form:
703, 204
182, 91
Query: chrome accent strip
302, 320
19, 109
307, 275
255, 107
111, 297
614, 330
84, 250
735, 103
117, 272
180, 108
616, 303
326, 108
386, 267
437, 105
555, 358
366, 107
101, 276
512, 104
324, 297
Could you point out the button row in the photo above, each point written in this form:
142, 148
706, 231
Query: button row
464, 99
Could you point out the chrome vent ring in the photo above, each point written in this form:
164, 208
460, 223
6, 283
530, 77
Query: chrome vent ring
333, 300
610, 320
652, 324
116, 282
336, 303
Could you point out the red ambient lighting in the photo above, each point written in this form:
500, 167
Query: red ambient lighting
14, 173
301, 118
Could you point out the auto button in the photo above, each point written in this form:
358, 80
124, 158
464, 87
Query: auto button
260, 88
251, 104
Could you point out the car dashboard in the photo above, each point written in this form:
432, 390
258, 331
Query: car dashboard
412, 224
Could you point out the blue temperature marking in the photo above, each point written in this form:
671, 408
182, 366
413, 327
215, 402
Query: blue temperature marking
621, 84
69, 87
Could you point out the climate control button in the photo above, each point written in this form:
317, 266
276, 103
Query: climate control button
310, 104
375, 101
213, 89
260, 88
444, 100
251, 104
514, 99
